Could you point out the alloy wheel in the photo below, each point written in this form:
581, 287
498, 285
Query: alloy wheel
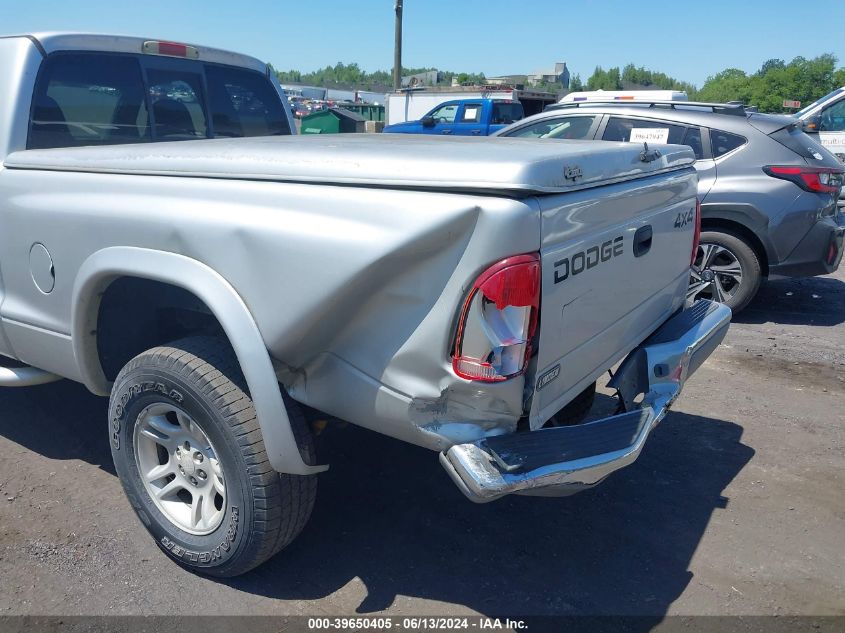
180, 468
716, 274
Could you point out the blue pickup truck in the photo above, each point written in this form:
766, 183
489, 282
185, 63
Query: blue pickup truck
465, 117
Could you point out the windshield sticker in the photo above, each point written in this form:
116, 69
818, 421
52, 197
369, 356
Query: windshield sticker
650, 135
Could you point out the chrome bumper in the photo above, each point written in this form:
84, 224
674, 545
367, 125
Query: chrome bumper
564, 460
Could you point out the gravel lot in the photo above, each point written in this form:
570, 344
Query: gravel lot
735, 507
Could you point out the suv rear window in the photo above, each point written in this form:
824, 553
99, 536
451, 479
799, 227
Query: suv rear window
86, 99
724, 142
506, 113
102, 99
794, 138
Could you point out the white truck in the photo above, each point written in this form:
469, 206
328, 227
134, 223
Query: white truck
826, 117
166, 241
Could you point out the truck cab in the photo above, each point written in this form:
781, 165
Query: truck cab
463, 117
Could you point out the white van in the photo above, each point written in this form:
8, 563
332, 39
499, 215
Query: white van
626, 95
830, 111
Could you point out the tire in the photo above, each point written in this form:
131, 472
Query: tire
574, 412
725, 252
228, 510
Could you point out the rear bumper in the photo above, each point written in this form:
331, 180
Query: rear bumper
819, 253
564, 460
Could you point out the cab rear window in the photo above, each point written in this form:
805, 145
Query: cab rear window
105, 99
87, 99
243, 103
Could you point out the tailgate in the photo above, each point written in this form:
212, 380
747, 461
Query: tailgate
615, 267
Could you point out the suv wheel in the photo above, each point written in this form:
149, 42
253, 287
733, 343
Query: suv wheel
189, 453
726, 269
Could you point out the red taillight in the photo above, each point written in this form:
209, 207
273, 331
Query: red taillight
498, 320
696, 239
171, 49
817, 179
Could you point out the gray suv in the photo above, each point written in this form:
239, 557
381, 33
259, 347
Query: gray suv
768, 191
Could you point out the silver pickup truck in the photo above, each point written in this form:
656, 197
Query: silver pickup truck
459, 294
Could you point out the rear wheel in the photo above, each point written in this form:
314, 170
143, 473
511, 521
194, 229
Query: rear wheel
726, 269
189, 452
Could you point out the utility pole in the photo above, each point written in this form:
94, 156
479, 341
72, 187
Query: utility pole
397, 48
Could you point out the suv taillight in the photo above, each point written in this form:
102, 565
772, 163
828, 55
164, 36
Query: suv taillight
498, 320
697, 236
817, 179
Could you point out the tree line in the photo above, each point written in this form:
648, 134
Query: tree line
776, 81
629, 77
802, 79
352, 75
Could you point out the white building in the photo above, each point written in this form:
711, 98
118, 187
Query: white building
558, 74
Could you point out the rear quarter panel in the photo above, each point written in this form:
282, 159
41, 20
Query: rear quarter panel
355, 291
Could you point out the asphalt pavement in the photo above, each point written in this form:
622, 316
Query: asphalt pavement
736, 506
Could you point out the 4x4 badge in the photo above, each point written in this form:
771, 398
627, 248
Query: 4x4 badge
572, 173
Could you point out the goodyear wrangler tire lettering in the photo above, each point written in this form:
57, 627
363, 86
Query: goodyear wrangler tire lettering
208, 556
257, 514
131, 392
590, 258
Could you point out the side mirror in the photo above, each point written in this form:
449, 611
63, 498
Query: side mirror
812, 125
427, 121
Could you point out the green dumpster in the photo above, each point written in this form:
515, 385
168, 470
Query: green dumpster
332, 121
367, 110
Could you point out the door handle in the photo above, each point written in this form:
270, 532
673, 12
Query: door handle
642, 240
446, 132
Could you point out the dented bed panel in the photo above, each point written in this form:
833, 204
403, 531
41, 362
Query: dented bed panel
355, 295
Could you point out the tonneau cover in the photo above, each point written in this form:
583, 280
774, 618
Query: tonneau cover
517, 166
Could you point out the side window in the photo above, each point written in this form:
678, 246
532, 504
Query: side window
833, 118
506, 112
643, 130
570, 127
724, 142
88, 99
176, 101
445, 114
243, 103
693, 139
472, 113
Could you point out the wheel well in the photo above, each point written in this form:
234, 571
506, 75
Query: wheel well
137, 314
740, 230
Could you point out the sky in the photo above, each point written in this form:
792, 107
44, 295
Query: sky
686, 40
